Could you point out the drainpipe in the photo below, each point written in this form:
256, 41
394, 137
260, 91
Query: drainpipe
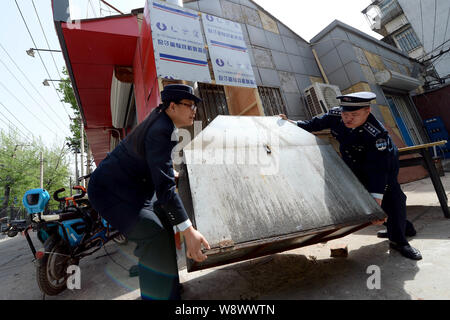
320, 66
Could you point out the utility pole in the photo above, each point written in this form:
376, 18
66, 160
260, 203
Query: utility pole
76, 167
82, 151
42, 170
88, 165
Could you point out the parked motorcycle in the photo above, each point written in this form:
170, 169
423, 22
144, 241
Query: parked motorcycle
13, 227
69, 234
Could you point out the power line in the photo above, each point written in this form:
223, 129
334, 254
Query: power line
439, 55
435, 49
14, 96
446, 26
434, 27
12, 124
29, 81
17, 120
29, 93
92, 8
109, 5
40, 57
46, 40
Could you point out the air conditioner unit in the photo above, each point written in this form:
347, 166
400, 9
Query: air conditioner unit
321, 97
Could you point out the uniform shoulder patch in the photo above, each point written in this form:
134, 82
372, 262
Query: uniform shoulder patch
381, 144
335, 111
371, 129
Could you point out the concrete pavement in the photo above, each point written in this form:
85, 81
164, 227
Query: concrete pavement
305, 273
310, 273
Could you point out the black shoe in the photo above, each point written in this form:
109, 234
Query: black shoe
406, 251
384, 235
133, 271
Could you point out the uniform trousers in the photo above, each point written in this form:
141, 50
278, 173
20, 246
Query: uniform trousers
155, 248
394, 204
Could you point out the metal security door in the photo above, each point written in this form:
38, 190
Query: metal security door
403, 117
405, 111
400, 123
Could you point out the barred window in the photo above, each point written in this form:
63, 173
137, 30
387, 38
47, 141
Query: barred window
385, 5
214, 103
272, 101
407, 40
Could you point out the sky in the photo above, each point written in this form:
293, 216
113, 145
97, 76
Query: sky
36, 110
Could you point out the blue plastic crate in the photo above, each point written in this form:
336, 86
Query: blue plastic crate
437, 132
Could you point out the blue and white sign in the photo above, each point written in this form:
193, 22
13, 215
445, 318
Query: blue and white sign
228, 52
178, 42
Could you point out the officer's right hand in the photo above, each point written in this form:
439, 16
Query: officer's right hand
283, 116
194, 241
378, 222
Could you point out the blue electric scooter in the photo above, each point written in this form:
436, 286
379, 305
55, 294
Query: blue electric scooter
68, 234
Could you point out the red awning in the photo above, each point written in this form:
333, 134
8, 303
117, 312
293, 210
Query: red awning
92, 52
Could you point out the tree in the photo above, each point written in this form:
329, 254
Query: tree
20, 168
65, 87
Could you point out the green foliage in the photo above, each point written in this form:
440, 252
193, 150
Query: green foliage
65, 87
20, 168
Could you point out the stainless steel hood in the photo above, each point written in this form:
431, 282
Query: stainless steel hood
259, 185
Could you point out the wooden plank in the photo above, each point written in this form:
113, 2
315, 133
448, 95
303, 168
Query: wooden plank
247, 108
421, 146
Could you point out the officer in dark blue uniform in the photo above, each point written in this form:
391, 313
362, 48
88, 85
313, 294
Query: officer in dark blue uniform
369, 151
140, 167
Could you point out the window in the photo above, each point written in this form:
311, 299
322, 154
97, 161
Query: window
272, 101
407, 40
389, 10
386, 5
214, 103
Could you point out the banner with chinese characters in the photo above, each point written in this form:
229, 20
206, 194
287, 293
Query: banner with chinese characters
228, 52
178, 42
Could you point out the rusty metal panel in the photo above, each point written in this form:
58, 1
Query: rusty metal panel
259, 185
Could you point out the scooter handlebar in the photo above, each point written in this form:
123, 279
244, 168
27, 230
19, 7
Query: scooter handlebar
82, 194
55, 195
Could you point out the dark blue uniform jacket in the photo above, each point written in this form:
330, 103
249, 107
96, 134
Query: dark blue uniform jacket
368, 150
124, 182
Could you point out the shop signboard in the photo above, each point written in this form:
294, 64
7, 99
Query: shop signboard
178, 43
228, 52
